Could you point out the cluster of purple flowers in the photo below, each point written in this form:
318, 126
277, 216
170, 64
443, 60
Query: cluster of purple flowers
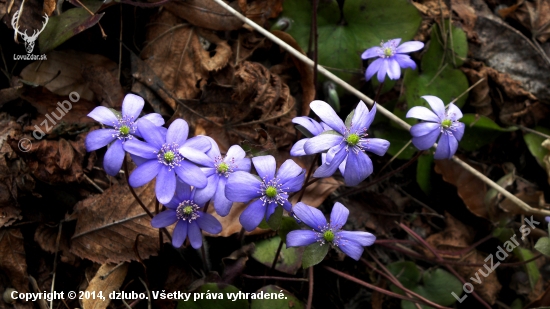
192, 172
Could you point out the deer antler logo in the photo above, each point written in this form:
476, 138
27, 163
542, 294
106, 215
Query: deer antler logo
29, 40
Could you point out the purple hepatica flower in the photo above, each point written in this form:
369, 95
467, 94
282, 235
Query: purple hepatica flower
217, 170
309, 128
124, 128
271, 190
351, 243
185, 210
391, 58
547, 219
346, 143
440, 122
168, 153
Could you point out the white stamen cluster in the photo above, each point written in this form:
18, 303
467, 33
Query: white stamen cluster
327, 231
270, 187
224, 168
355, 140
169, 155
388, 50
125, 127
187, 211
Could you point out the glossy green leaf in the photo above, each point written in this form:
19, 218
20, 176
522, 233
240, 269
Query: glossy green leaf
530, 268
443, 50
289, 260
406, 272
366, 24
480, 131
288, 301
63, 27
274, 220
222, 300
543, 246
314, 254
398, 138
287, 224
534, 141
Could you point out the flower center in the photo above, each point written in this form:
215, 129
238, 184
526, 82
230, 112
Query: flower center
352, 139
169, 155
223, 168
125, 127
187, 211
447, 123
124, 130
388, 52
271, 192
328, 236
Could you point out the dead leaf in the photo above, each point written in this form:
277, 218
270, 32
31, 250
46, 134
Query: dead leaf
433, 8
470, 188
73, 71
456, 237
109, 224
13, 262
259, 11
108, 279
46, 237
178, 55
532, 198
206, 14
49, 7
535, 16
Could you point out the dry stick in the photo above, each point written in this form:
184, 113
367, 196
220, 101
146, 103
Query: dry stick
388, 275
127, 174
274, 278
310, 273
370, 286
534, 131
57, 241
439, 258
380, 108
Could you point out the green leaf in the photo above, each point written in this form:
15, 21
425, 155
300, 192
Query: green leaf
398, 139
314, 254
438, 54
349, 118
274, 221
63, 27
263, 225
480, 131
534, 142
288, 300
447, 85
288, 224
289, 260
530, 268
406, 272
214, 289
424, 171
543, 246
367, 23
304, 131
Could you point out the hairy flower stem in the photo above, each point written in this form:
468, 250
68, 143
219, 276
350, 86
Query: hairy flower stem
440, 259
127, 175
373, 287
310, 294
378, 92
157, 208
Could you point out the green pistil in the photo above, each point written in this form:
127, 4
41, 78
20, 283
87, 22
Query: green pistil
446, 123
223, 167
328, 236
271, 192
388, 52
353, 139
169, 156
188, 210
124, 130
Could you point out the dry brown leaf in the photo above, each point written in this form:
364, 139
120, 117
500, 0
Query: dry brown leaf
432, 8
260, 11
115, 275
178, 57
532, 198
306, 72
456, 237
470, 188
109, 224
46, 237
13, 262
535, 16
467, 17
206, 14
65, 72
49, 7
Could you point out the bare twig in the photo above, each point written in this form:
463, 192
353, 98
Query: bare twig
274, 278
